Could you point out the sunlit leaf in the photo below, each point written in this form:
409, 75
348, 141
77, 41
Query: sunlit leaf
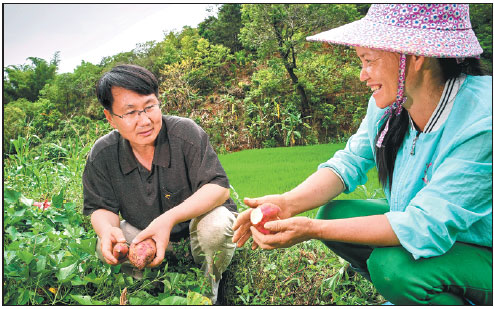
41, 263
173, 301
23, 297
175, 278
57, 200
65, 272
194, 298
86, 300
77, 281
26, 201
41, 239
9, 256
10, 196
19, 213
88, 245
167, 285
25, 256
13, 232
93, 279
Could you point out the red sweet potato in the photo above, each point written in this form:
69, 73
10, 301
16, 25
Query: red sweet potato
120, 250
142, 253
262, 214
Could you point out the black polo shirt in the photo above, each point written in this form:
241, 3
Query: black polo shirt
183, 162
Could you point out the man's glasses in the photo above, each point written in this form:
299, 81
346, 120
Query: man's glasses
134, 115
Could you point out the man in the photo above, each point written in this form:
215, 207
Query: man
160, 174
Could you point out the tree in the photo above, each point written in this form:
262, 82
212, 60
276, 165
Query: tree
16, 80
124, 57
362, 8
280, 30
481, 18
27, 80
61, 92
72, 92
206, 28
225, 29
201, 65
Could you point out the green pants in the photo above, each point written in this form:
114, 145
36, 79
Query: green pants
464, 272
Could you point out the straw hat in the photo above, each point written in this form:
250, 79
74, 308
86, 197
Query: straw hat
430, 30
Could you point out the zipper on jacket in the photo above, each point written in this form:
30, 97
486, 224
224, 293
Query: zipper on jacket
412, 152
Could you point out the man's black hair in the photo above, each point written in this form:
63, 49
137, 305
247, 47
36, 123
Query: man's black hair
127, 76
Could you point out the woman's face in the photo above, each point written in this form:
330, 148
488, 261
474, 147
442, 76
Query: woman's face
380, 71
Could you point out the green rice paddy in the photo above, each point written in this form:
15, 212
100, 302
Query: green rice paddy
259, 172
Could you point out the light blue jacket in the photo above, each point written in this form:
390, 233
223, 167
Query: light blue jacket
443, 192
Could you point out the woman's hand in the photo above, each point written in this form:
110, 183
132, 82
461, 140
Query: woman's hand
242, 224
242, 228
108, 240
159, 230
288, 232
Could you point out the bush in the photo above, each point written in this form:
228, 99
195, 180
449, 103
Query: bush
14, 125
48, 119
338, 98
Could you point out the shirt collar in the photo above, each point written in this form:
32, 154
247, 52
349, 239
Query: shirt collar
162, 150
125, 156
161, 157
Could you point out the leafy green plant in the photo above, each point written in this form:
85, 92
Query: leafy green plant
49, 259
44, 250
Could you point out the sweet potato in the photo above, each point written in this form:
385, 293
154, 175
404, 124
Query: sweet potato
262, 214
142, 253
120, 250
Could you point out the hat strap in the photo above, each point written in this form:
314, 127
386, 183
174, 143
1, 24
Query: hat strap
397, 106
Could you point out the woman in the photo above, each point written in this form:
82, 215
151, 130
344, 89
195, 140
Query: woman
428, 129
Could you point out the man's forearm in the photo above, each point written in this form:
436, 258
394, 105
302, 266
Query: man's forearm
203, 200
103, 219
318, 189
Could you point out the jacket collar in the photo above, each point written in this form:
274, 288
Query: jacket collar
444, 106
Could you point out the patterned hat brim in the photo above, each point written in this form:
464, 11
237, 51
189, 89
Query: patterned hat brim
410, 41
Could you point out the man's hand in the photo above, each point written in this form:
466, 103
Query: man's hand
242, 224
108, 240
288, 232
159, 230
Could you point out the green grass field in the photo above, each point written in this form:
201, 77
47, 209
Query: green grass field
258, 172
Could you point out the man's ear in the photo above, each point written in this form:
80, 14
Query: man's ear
109, 117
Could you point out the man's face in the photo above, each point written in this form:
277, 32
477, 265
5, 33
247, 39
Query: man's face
142, 129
